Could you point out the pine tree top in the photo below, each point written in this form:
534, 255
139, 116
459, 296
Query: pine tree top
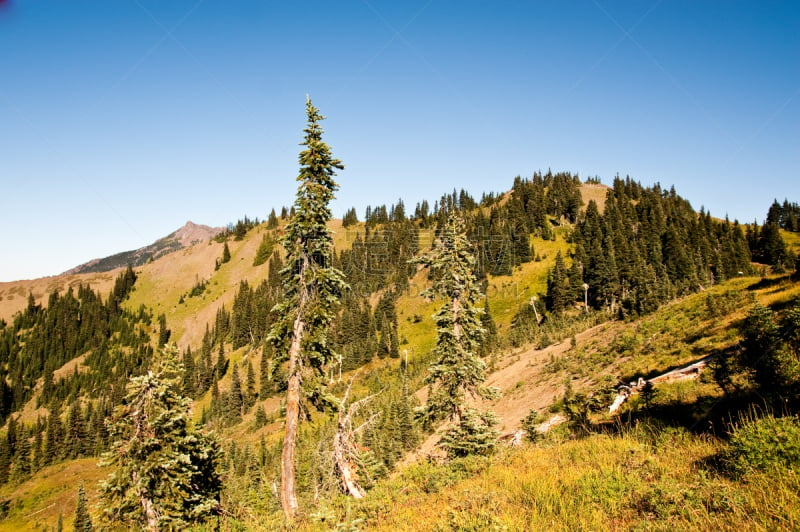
452, 263
317, 186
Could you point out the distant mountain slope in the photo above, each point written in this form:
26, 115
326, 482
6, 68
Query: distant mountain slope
187, 235
14, 294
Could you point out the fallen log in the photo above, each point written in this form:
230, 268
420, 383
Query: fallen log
688, 372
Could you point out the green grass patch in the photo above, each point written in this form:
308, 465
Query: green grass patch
507, 293
764, 444
641, 480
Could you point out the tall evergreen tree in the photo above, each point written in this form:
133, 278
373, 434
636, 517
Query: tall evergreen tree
5, 460
38, 451
226, 257
11, 435
222, 362
264, 250
350, 218
235, 396
189, 373
21, 465
226, 254
75, 437
771, 245
557, 294
312, 289
457, 371
265, 372
272, 220
251, 394
54, 439
165, 471
489, 339
83, 523
163, 332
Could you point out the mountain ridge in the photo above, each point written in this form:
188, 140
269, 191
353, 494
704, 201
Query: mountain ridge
183, 237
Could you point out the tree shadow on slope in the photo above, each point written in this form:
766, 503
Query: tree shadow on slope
709, 415
725, 352
770, 282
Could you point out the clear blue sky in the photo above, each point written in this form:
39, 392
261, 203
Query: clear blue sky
121, 120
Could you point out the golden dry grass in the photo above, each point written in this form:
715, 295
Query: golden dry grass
792, 240
594, 192
161, 284
645, 479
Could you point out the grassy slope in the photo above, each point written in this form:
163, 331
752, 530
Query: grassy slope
642, 479
792, 239
506, 295
162, 283
594, 192
37, 502
637, 481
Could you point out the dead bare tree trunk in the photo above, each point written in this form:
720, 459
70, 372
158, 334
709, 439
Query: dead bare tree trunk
347, 474
345, 453
288, 491
288, 495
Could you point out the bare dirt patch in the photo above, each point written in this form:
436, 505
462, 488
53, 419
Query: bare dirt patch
524, 384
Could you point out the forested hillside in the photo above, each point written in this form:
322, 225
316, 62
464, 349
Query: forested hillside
540, 263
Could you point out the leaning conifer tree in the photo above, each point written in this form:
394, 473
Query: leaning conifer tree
457, 371
165, 472
311, 293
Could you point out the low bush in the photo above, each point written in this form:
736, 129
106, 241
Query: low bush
764, 444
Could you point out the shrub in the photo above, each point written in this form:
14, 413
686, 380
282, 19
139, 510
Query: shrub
474, 434
529, 424
764, 444
426, 477
475, 512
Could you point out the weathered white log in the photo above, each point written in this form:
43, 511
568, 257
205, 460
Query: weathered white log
345, 453
543, 428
